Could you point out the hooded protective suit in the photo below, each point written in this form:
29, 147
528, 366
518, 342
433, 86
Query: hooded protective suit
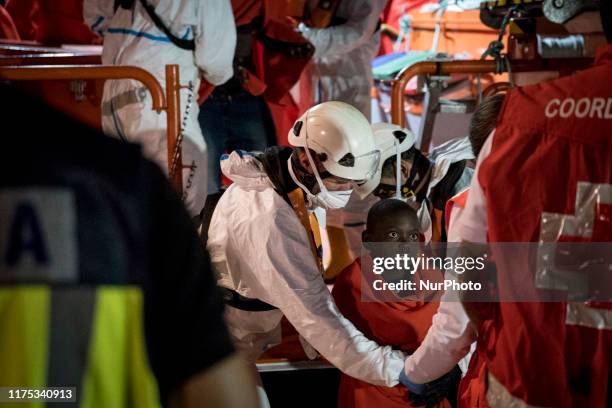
341, 68
262, 251
131, 38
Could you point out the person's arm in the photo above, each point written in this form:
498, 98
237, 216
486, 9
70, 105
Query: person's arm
344, 38
98, 14
188, 343
215, 41
449, 338
474, 227
293, 283
448, 341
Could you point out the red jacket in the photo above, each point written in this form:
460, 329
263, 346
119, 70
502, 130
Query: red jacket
550, 137
472, 390
402, 325
458, 200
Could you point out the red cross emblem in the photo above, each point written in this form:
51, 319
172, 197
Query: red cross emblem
582, 270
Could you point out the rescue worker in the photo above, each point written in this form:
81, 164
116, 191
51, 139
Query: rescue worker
263, 255
341, 69
451, 337
92, 236
563, 346
268, 61
400, 319
200, 37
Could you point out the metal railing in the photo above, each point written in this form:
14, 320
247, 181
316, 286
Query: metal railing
440, 68
167, 100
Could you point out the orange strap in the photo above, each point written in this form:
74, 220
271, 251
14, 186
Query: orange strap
296, 198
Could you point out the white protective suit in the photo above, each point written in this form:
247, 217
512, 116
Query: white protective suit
259, 248
341, 68
131, 38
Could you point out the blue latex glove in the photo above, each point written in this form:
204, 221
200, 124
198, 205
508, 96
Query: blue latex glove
430, 394
414, 388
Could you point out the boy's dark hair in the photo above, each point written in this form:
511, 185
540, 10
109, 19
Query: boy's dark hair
389, 206
484, 121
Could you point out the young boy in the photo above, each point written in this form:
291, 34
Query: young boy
402, 323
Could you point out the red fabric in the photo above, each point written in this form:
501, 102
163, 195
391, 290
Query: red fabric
534, 167
25, 14
473, 389
284, 117
459, 200
391, 15
51, 21
275, 73
277, 70
246, 11
402, 325
7, 26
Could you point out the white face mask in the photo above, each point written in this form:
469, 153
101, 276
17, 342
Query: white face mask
331, 200
325, 199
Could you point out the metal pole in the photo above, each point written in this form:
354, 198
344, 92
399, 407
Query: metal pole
173, 117
430, 109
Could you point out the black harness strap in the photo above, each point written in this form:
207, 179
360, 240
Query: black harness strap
188, 45
236, 300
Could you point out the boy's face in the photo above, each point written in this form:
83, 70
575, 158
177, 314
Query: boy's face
399, 228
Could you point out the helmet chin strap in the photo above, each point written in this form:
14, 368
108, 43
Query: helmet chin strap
398, 171
313, 166
310, 197
300, 172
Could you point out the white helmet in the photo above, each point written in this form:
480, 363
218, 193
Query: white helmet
342, 139
389, 138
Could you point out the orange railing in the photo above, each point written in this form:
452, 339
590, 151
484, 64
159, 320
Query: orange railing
50, 58
471, 67
167, 100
